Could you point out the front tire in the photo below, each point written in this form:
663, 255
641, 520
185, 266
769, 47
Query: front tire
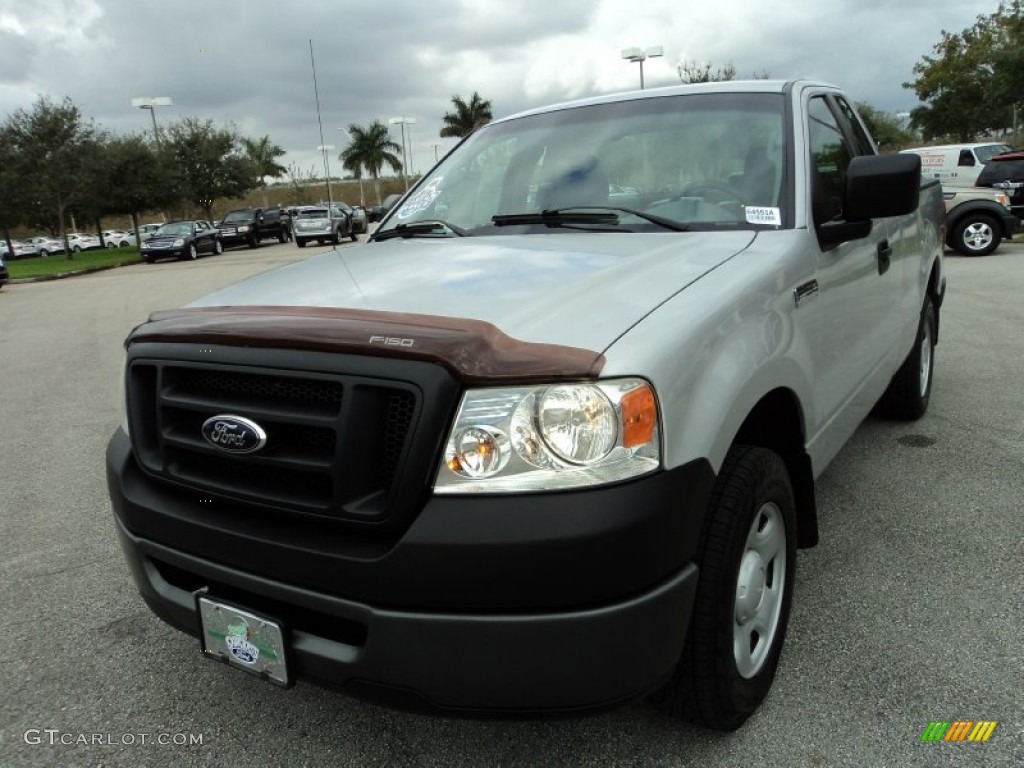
218, 247
300, 242
193, 254
975, 235
910, 390
747, 561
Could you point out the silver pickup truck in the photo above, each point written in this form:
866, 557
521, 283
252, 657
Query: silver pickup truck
549, 440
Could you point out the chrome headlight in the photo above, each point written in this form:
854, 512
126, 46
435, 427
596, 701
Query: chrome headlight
538, 438
243, 228
179, 242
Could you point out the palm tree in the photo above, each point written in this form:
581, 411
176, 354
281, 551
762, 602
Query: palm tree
466, 118
370, 148
263, 155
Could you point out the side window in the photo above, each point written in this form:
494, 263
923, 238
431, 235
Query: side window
864, 145
966, 157
830, 156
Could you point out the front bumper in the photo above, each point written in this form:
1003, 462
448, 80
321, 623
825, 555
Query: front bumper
177, 252
409, 626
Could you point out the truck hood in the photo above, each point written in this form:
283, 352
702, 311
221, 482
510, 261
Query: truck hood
582, 290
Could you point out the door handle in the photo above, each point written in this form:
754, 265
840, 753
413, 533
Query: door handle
884, 256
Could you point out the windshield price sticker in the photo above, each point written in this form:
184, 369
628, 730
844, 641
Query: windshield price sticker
763, 216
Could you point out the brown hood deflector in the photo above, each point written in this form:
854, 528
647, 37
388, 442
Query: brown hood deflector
473, 350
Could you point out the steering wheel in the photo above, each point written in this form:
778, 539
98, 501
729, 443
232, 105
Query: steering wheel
716, 192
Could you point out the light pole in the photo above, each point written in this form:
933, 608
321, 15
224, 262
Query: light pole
639, 55
359, 172
403, 121
151, 103
325, 148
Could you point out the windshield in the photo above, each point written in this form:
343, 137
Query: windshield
697, 160
989, 151
180, 228
238, 216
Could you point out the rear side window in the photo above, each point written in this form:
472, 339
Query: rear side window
966, 158
1002, 170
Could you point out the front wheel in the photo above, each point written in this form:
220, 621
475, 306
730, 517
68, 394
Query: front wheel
218, 247
300, 242
193, 254
910, 390
975, 235
747, 558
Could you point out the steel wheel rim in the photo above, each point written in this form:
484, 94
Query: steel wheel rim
760, 587
925, 372
978, 236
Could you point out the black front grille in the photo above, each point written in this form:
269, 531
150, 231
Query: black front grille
335, 442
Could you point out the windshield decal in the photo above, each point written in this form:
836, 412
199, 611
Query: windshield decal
422, 199
756, 215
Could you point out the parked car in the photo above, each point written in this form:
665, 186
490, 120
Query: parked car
80, 241
251, 225
323, 224
46, 245
4, 276
360, 221
374, 212
22, 250
146, 231
116, 238
182, 240
552, 455
977, 219
1006, 172
957, 164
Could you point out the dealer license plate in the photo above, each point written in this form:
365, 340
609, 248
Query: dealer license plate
244, 640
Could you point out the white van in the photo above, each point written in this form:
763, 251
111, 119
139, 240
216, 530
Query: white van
957, 164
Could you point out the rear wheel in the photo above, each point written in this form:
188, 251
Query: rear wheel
910, 390
746, 557
976, 234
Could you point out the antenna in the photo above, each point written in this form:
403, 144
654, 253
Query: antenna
322, 147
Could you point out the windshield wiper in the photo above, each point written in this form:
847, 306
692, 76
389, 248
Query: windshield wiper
607, 215
554, 218
417, 228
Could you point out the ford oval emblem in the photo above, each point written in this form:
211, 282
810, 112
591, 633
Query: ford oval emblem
234, 434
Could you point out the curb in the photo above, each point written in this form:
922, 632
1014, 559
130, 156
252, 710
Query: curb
76, 273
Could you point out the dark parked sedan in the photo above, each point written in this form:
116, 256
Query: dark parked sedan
1006, 172
182, 240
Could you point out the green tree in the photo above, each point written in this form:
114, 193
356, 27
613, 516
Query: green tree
263, 153
54, 144
135, 177
13, 189
466, 117
884, 127
207, 163
971, 84
692, 72
370, 148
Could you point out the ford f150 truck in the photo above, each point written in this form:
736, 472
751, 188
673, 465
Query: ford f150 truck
549, 440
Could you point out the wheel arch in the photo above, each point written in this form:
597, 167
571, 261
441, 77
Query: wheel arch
776, 423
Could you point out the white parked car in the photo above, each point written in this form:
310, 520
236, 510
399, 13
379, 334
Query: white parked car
116, 238
146, 230
22, 250
46, 245
79, 241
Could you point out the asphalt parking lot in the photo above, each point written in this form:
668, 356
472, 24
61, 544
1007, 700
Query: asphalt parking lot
909, 611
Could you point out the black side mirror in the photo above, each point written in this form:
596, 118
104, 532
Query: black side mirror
877, 187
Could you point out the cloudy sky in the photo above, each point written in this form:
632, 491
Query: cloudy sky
247, 62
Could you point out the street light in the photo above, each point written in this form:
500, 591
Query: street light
403, 121
151, 103
325, 148
639, 55
359, 173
